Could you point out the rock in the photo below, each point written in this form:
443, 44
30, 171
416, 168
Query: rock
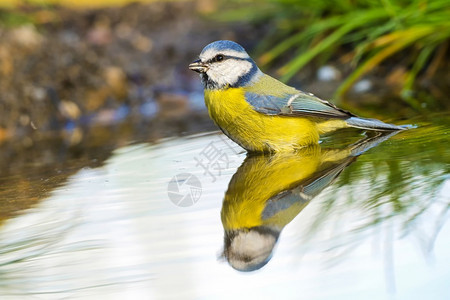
328, 73
116, 79
100, 34
69, 110
362, 86
142, 43
26, 36
4, 134
6, 61
96, 98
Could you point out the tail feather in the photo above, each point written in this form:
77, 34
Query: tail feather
368, 143
373, 124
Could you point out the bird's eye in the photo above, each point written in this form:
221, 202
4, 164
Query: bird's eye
219, 57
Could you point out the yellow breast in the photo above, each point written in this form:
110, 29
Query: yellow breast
255, 131
260, 178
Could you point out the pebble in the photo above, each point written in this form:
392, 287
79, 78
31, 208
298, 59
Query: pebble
328, 73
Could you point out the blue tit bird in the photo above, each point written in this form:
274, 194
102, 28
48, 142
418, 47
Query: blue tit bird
269, 191
262, 114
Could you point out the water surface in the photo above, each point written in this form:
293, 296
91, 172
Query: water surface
352, 218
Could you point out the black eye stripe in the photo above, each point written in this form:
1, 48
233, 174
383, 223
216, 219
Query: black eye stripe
225, 57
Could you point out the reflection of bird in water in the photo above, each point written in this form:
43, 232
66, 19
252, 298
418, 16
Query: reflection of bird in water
268, 191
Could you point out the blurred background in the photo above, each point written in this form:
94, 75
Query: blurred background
79, 76
97, 112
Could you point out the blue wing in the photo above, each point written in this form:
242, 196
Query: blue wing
298, 104
305, 191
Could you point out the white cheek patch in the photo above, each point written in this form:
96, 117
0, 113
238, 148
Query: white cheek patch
229, 71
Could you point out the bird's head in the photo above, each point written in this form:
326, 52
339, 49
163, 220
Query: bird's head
223, 64
250, 249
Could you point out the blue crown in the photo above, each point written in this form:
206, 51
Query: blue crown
224, 45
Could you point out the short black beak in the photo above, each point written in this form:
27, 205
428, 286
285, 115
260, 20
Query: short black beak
198, 66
